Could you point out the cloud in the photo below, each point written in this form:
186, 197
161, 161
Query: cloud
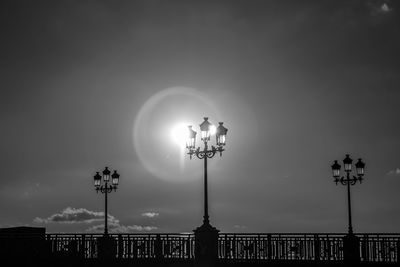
116, 227
81, 215
75, 215
237, 226
378, 8
385, 8
150, 214
394, 172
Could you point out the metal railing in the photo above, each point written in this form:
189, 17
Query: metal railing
281, 246
311, 247
127, 246
231, 247
380, 247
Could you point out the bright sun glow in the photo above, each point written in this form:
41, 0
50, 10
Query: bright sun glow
213, 129
179, 134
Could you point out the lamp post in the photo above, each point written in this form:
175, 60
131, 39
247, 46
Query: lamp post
348, 180
206, 236
106, 188
206, 152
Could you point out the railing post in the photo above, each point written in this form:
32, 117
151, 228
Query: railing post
269, 247
317, 248
364, 248
188, 247
120, 246
158, 247
82, 250
234, 247
226, 247
55, 244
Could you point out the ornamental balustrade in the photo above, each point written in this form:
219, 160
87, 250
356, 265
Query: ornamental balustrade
373, 247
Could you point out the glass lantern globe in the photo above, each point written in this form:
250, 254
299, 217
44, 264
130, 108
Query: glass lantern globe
336, 169
360, 165
347, 163
221, 135
115, 178
106, 174
205, 128
97, 180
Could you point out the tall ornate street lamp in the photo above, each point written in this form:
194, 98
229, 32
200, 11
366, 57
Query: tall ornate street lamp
106, 188
206, 236
348, 181
206, 152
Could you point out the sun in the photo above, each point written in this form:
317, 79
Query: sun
213, 130
179, 134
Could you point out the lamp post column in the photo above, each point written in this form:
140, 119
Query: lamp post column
349, 204
205, 217
105, 210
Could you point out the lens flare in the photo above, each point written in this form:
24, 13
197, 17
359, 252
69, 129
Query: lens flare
180, 134
213, 129
160, 132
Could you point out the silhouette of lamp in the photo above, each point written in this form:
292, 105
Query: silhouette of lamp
348, 181
206, 153
104, 186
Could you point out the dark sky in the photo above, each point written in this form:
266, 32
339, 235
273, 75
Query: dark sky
89, 84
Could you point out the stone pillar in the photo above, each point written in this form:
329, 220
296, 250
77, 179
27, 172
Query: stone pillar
158, 247
351, 248
206, 245
106, 247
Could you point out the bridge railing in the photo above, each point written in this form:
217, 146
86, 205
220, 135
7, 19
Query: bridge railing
312, 247
380, 247
127, 246
281, 246
231, 246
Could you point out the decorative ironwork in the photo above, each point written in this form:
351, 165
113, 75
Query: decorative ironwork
128, 246
231, 247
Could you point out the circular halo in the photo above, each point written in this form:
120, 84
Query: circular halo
152, 128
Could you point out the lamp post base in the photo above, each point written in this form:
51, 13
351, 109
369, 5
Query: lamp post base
206, 245
351, 248
106, 247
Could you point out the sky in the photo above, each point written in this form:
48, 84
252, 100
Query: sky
298, 84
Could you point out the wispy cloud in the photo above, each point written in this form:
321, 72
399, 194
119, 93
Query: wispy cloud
84, 216
150, 214
119, 228
394, 172
377, 8
385, 8
74, 215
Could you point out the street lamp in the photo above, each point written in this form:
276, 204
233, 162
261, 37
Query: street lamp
106, 188
206, 152
347, 162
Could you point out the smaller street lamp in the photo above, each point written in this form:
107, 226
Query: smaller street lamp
348, 181
106, 188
